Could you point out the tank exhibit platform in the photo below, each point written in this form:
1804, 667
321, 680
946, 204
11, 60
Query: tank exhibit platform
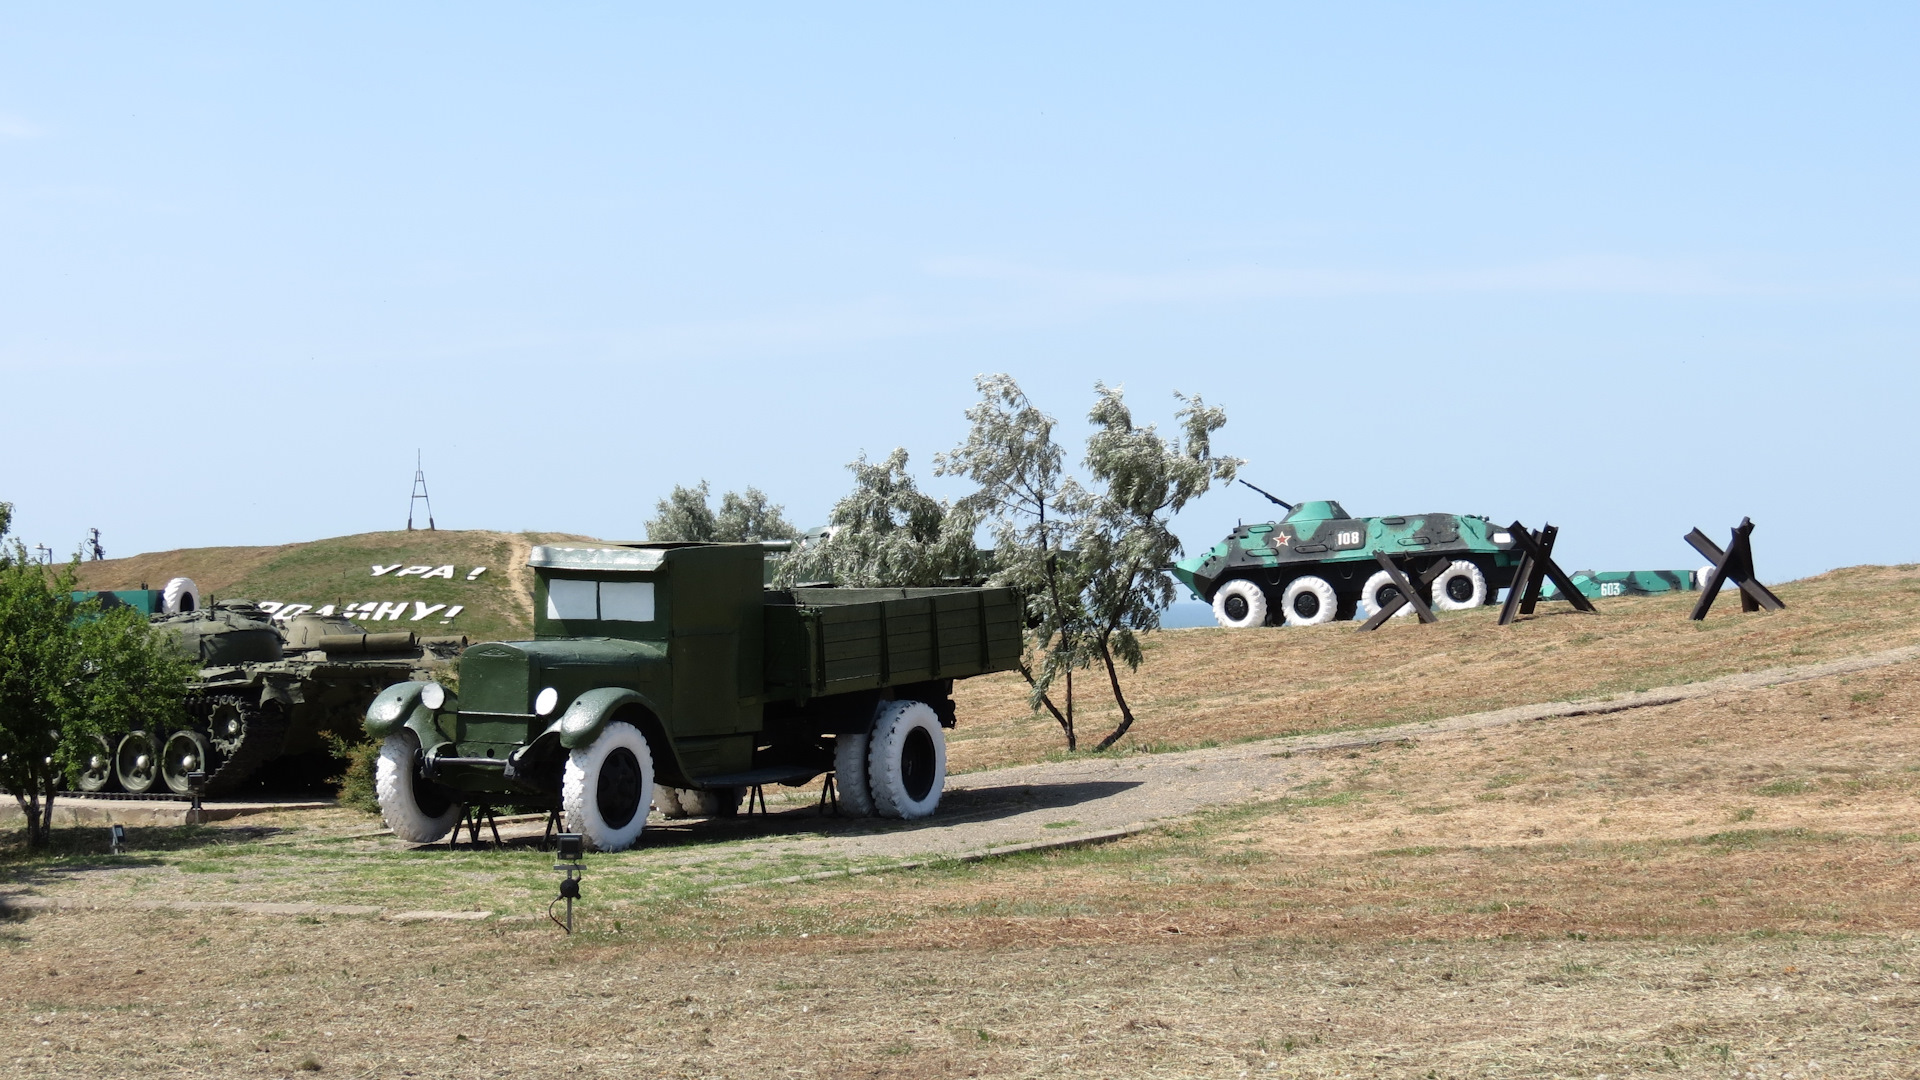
76, 809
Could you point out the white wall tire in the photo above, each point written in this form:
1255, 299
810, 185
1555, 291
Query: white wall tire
1373, 596
850, 785
607, 788
721, 803
1459, 587
178, 595
1309, 601
1240, 604
415, 813
907, 760
667, 801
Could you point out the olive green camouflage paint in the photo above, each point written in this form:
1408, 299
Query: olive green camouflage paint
732, 684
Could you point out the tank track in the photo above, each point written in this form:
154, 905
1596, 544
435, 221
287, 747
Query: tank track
266, 730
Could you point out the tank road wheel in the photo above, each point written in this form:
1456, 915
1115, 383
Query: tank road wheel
1240, 604
1460, 586
185, 752
96, 773
907, 760
416, 811
1309, 601
1376, 594
850, 785
136, 762
667, 801
607, 788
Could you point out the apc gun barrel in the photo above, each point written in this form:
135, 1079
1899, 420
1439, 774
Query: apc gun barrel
1282, 503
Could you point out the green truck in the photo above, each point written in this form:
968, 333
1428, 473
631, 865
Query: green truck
666, 675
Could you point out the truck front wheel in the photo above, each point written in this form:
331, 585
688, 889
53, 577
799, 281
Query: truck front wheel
907, 760
607, 788
415, 810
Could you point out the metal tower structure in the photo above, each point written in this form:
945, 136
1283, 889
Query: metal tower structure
419, 493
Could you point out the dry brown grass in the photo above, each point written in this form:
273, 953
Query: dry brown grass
1722, 887
1215, 685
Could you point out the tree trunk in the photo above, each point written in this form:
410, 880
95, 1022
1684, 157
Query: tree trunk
1066, 721
1119, 698
1059, 613
29, 801
46, 812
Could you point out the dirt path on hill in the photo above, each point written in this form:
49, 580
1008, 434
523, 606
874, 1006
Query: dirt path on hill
1097, 798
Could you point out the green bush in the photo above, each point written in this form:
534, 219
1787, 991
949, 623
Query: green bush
356, 783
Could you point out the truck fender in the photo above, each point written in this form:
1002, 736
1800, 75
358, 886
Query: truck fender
589, 713
394, 708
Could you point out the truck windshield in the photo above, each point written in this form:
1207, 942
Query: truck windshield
612, 601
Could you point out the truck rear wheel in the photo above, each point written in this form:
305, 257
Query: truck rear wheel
667, 801
1239, 604
724, 802
607, 788
907, 760
415, 810
850, 785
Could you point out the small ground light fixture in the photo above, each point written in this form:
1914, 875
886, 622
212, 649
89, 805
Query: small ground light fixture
570, 850
197, 784
118, 833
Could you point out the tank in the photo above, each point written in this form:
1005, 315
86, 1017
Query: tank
264, 691
1318, 564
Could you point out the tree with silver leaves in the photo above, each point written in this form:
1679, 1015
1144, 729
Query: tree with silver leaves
1124, 536
744, 517
1027, 497
886, 532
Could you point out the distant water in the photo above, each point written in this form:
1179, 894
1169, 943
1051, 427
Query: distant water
1187, 613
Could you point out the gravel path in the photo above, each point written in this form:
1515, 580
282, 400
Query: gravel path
1098, 798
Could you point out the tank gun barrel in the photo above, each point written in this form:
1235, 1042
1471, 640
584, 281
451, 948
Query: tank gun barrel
1281, 503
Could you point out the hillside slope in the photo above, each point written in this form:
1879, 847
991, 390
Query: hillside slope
479, 586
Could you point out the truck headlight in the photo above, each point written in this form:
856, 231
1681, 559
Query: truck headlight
433, 695
543, 705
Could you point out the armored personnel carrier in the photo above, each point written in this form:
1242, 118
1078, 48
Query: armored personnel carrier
1318, 564
263, 691
669, 665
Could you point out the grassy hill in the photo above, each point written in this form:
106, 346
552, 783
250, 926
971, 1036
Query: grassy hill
1212, 685
496, 604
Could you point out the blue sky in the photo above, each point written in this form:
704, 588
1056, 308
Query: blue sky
1627, 268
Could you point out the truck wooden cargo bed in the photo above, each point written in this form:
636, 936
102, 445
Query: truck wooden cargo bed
833, 641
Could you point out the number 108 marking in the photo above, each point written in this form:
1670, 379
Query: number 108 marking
1347, 539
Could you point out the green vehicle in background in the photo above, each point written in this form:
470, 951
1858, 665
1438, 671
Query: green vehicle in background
264, 690
665, 674
1318, 564
1595, 584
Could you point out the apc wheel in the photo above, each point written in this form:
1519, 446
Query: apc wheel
1460, 586
1377, 592
185, 752
607, 787
667, 801
136, 762
415, 810
96, 773
1240, 604
850, 774
1702, 576
1309, 601
907, 760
